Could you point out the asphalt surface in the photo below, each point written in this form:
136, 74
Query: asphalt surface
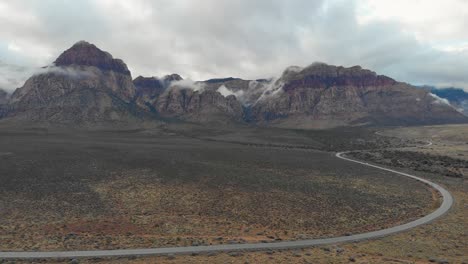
444, 207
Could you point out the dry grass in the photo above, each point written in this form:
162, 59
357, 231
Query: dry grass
154, 208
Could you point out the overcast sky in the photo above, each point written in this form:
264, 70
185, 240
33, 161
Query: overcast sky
421, 42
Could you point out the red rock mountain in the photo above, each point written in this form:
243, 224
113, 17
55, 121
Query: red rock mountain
323, 95
88, 86
86, 54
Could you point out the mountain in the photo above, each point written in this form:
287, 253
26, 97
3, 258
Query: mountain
86, 54
171, 97
456, 96
321, 96
3, 102
148, 89
199, 106
246, 91
86, 85
3, 97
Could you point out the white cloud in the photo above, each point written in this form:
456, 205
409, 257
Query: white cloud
224, 91
422, 42
428, 20
187, 84
439, 100
13, 76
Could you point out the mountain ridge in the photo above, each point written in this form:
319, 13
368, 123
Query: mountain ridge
89, 85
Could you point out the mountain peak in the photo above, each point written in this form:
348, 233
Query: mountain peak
324, 75
87, 54
172, 77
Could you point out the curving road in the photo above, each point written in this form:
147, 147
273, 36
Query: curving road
444, 207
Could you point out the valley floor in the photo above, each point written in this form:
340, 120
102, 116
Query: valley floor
137, 190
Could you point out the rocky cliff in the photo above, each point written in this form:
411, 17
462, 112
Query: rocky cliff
148, 89
455, 96
3, 102
326, 96
87, 54
168, 97
85, 85
3, 97
201, 106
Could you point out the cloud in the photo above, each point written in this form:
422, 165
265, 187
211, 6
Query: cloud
255, 92
187, 84
64, 71
224, 91
422, 42
13, 76
439, 100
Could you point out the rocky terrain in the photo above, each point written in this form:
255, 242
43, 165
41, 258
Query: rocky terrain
148, 89
86, 54
86, 85
456, 96
3, 97
170, 97
202, 106
322, 95
3, 101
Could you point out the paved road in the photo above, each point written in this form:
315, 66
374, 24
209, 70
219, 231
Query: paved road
444, 207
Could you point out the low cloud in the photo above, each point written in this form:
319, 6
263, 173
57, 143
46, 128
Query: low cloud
419, 43
223, 90
187, 84
69, 72
255, 92
439, 100
13, 76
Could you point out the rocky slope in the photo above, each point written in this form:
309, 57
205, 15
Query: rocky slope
168, 97
86, 85
3, 102
86, 54
246, 91
321, 96
455, 96
198, 105
3, 97
148, 89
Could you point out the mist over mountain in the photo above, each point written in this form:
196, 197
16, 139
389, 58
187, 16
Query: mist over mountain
87, 85
455, 96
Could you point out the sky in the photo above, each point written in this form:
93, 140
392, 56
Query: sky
417, 41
